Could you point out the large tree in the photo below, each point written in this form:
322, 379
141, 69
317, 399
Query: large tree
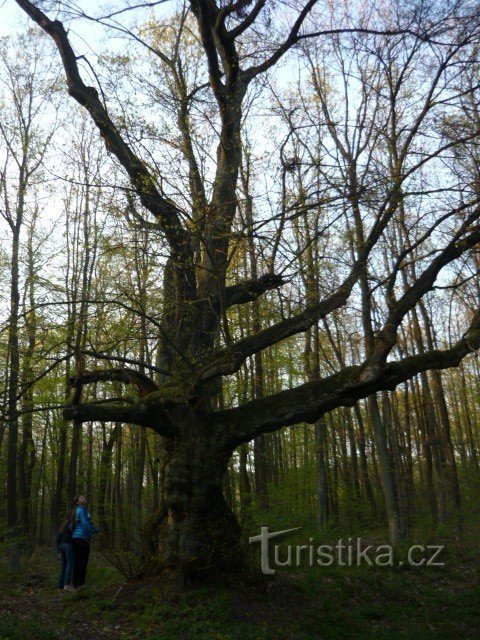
194, 528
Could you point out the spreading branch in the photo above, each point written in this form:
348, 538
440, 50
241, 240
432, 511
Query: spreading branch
143, 384
310, 401
230, 360
251, 290
142, 414
294, 37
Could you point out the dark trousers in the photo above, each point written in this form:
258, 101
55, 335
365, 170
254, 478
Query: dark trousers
81, 551
66, 556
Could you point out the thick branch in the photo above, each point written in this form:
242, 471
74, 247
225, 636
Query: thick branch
140, 381
141, 414
206, 14
308, 402
229, 360
250, 290
105, 413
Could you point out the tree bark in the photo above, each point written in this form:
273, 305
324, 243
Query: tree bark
194, 530
322, 477
12, 423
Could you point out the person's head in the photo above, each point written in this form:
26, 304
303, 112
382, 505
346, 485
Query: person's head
79, 501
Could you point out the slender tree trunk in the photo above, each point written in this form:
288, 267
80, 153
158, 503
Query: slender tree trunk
364, 462
13, 389
119, 519
245, 486
396, 528
104, 471
138, 473
322, 476
259, 444
468, 421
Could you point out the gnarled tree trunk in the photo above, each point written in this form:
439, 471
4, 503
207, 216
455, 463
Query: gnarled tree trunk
194, 529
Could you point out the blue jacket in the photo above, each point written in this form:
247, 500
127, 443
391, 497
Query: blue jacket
84, 527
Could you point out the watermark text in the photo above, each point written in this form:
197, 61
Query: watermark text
349, 552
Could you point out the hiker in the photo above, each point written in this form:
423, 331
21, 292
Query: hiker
81, 536
65, 552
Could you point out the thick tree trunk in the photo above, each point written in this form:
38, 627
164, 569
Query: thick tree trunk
194, 531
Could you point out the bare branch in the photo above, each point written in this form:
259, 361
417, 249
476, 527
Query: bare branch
104, 356
249, 20
292, 39
387, 337
141, 5
144, 183
231, 359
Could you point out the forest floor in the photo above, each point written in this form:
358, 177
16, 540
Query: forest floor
318, 603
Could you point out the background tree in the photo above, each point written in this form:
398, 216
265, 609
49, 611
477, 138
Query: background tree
25, 141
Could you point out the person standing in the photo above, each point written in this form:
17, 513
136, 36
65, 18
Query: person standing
65, 552
81, 536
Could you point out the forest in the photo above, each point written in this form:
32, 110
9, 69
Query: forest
240, 302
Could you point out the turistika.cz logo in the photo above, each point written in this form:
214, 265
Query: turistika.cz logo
351, 552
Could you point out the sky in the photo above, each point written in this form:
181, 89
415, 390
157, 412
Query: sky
14, 20
10, 17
